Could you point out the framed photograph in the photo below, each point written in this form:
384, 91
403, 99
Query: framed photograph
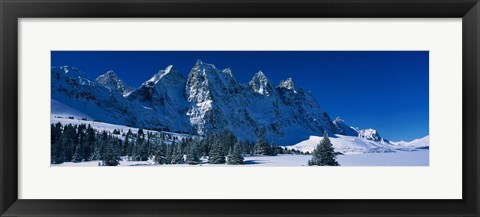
251, 108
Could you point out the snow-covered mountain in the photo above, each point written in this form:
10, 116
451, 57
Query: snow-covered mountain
114, 83
417, 143
369, 134
70, 87
346, 145
163, 97
217, 101
208, 100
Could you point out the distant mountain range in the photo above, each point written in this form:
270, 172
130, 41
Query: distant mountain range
209, 100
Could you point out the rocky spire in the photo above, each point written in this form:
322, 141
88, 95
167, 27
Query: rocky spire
287, 84
260, 84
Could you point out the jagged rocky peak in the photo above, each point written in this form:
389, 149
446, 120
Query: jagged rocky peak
161, 87
202, 66
107, 78
108, 74
228, 72
66, 69
342, 128
198, 62
210, 70
370, 134
197, 85
111, 81
287, 84
261, 85
168, 72
205, 79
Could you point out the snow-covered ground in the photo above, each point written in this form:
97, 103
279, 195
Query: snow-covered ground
359, 145
61, 109
101, 126
409, 158
400, 158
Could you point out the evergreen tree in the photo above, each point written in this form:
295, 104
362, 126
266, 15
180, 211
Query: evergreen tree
170, 152
140, 133
193, 154
128, 144
110, 155
161, 153
140, 150
271, 150
262, 146
56, 148
69, 141
324, 154
89, 142
153, 143
204, 146
77, 156
235, 155
227, 139
79, 153
216, 155
177, 155
100, 145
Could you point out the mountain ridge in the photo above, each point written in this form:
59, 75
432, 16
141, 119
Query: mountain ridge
208, 100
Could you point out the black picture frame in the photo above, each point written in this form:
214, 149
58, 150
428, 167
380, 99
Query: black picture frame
12, 10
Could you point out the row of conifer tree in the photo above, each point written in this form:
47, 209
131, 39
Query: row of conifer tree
79, 143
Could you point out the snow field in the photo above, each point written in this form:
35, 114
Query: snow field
410, 158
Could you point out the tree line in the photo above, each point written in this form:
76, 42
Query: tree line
80, 143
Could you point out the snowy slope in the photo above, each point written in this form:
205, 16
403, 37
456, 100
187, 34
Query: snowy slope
60, 109
417, 143
359, 145
346, 145
101, 126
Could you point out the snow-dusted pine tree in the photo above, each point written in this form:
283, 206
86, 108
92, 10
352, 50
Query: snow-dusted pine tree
216, 155
235, 155
177, 155
57, 150
193, 154
324, 154
161, 153
262, 146
110, 155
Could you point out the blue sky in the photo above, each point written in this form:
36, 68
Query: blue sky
384, 90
